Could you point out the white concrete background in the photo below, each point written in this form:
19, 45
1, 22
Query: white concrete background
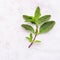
13, 45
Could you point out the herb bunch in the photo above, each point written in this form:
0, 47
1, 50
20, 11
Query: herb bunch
42, 24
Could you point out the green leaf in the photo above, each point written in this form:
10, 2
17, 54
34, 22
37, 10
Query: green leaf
37, 41
37, 13
28, 27
30, 37
29, 19
43, 19
46, 27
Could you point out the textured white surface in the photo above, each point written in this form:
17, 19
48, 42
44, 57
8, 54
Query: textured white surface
13, 45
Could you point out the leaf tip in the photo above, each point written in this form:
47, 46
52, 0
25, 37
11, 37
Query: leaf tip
38, 6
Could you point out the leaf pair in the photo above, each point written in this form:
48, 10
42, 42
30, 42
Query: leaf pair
30, 38
39, 21
46, 27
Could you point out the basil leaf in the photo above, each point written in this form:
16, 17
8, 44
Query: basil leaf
29, 19
43, 19
37, 13
28, 27
46, 27
30, 37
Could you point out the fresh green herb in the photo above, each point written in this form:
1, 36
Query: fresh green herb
42, 23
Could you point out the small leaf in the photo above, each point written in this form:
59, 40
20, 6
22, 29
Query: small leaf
28, 27
43, 19
37, 41
37, 13
29, 19
46, 27
30, 37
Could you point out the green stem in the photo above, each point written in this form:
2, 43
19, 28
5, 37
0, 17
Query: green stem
34, 37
